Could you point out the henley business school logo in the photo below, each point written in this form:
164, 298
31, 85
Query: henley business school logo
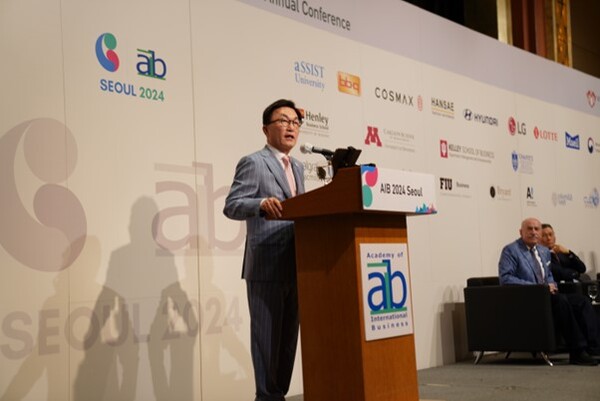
105, 52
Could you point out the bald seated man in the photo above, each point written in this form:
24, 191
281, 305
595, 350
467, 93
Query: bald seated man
526, 262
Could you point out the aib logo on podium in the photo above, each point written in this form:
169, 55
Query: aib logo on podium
388, 289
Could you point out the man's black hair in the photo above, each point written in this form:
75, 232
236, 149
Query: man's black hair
266, 118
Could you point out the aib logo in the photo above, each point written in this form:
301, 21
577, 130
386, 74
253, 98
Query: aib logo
515, 127
372, 136
151, 66
105, 52
370, 176
348, 83
383, 296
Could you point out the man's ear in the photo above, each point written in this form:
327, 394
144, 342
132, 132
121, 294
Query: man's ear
265, 130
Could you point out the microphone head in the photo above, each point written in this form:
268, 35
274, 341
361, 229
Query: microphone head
306, 148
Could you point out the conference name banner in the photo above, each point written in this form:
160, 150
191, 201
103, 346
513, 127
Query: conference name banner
385, 290
397, 191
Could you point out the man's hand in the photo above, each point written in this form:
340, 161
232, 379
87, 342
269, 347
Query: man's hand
559, 249
553, 288
272, 208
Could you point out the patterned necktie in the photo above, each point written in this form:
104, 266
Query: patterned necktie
538, 265
289, 174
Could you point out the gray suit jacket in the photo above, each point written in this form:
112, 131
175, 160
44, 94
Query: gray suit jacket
270, 252
516, 264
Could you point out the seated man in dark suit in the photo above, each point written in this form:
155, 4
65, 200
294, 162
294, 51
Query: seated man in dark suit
524, 262
565, 265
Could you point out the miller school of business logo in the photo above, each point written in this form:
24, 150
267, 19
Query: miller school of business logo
105, 52
348, 83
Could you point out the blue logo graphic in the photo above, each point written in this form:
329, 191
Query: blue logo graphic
571, 141
515, 161
109, 60
382, 297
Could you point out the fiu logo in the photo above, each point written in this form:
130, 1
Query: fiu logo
446, 184
515, 127
348, 83
105, 52
372, 136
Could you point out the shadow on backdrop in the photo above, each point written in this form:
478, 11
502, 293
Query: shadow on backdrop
142, 318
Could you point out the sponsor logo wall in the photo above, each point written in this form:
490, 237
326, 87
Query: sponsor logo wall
119, 266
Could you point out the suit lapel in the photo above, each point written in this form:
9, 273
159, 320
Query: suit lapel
529, 258
275, 168
297, 169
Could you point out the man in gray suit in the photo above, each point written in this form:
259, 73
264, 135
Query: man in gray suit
262, 180
525, 262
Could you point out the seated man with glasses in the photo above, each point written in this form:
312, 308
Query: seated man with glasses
565, 265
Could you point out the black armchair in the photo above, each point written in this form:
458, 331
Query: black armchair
510, 318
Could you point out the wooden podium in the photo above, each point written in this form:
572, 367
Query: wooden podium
338, 362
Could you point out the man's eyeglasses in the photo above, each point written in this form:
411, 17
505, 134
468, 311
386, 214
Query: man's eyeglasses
286, 123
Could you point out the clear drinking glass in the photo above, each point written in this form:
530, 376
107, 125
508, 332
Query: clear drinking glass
592, 291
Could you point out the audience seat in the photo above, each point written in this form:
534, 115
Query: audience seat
509, 318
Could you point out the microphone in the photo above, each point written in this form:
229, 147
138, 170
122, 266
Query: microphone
307, 148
